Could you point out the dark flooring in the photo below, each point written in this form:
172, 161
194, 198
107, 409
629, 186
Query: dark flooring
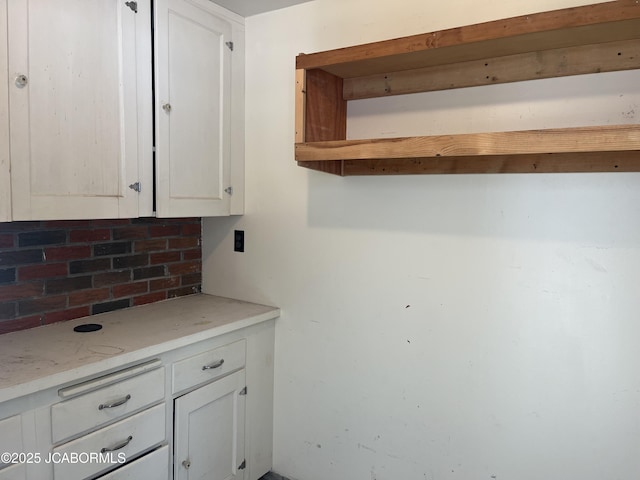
273, 476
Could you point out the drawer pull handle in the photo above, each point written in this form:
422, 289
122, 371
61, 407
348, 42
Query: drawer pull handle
214, 365
117, 403
117, 446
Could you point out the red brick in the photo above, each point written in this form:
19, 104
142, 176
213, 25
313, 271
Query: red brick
21, 257
165, 221
149, 272
150, 245
150, 298
99, 235
63, 315
110, 306
40, 238
47, 270
67, 284
67, 253
6, 241
89, 266
184, 242
184, 267
194, 254
128, 261
23, 290
164, 257
85, 297
191, 279
21, 226
44, 304
7, 310
111, 278
112, 222
129, 233
164, 230
20, 324
150, 221
7, 275
192, 229
67, 223
186, 219
130, 289
164, 283
181, 292
113, 248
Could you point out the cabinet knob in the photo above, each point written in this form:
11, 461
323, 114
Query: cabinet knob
21, 81
166, 107
186, 463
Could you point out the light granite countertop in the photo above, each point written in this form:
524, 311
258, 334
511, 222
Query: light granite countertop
51, 355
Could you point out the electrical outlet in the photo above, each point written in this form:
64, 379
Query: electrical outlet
238, 241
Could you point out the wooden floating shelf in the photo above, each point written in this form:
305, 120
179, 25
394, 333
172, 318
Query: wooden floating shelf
596, 38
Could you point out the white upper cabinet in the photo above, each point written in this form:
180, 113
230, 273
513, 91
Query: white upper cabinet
76, 92
5, 182
77, 109
199, 69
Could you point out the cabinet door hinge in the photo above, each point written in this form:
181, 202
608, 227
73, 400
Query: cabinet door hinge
132, 5
136, 187
229, 190
243, 391
230, 45
243, 465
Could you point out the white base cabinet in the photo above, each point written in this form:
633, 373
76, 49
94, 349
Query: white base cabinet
203, 410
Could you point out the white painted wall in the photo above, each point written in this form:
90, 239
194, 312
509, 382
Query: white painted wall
438, 327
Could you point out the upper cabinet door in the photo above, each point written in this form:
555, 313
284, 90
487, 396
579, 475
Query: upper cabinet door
73, 102
193, 109
5, 183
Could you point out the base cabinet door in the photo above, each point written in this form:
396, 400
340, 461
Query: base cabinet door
209, 431
14, 472
11, 441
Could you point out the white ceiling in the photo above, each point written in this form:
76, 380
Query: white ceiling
246, 8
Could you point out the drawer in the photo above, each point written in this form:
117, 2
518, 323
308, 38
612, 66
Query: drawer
91, 410
209, 365
10, 436
154, 465
139, 432
14, 472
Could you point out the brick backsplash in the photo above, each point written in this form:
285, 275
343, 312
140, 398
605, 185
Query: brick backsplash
54, 271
